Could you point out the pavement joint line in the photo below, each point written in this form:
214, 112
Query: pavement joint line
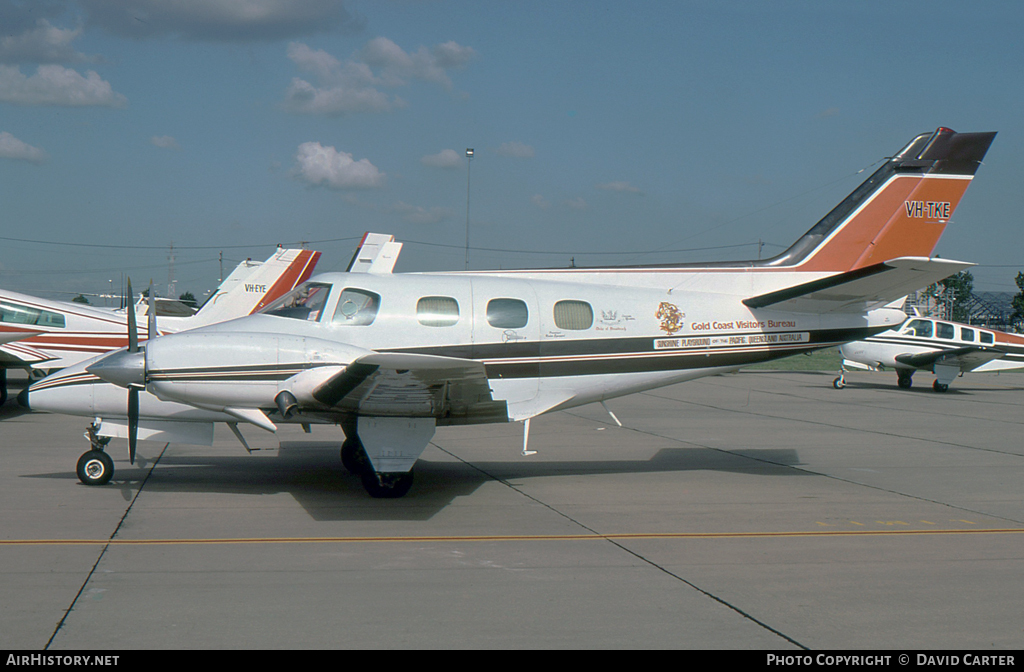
626, 536
617, 541
106, 545
739, 453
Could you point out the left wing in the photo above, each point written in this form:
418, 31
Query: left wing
860, 290
391, 384
966, 358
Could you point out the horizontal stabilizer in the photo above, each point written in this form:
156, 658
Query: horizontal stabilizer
860, 290
966, 358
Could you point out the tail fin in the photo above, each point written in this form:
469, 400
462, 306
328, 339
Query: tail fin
900, 211
255, 284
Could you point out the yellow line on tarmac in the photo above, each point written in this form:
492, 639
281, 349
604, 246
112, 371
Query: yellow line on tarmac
503, 537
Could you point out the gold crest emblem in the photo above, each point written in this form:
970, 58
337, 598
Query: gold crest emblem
671, 317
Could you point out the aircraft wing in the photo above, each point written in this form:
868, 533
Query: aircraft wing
862, 289
412, 385
967, 358
11, 336
12, 351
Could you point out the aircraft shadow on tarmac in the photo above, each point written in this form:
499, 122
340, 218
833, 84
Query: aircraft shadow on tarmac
312, 473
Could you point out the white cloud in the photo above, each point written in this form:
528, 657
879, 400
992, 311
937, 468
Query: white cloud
415, 214
540, 201
42, 44
319, 165
446, 158
332, 101
516, 149
624, 187
164, 142
398, 67
351, 86
12, 148
222, 20
57, 85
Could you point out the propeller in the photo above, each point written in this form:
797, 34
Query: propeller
127, 368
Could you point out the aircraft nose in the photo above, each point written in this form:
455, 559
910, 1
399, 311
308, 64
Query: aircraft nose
121, 368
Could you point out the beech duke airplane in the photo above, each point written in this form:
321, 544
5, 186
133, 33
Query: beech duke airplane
946, 348
389, 357
38, 334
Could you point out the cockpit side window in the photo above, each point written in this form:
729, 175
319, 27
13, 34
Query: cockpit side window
356, 307
14, 314
305, 302
922, 328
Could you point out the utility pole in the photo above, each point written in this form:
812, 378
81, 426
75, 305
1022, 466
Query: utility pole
469, 164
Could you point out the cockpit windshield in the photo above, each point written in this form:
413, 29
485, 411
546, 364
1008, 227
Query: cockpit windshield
305, 302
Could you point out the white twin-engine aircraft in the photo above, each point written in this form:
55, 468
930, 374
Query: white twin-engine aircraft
946, 348
389, 357
42, 335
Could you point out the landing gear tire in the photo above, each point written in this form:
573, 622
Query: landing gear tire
839, 383
939, 387
3, 386
354, 457
905, 382
388, 485
95, 468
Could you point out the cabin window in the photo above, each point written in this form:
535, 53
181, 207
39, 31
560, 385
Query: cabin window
966, 334
922, 328
943, 330
13, 314
986, 337
437, 311
356, 307
305, 302
507, 313
573, 315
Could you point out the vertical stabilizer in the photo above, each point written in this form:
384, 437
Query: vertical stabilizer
900, 211
253, 285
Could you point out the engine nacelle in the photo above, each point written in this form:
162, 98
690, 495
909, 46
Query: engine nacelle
218, 370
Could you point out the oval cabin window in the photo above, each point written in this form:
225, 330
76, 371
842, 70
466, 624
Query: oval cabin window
437, 311
573, 315
507, 313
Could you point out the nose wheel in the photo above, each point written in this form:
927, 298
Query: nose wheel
94, 466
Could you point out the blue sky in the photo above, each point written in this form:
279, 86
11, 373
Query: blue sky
604, 132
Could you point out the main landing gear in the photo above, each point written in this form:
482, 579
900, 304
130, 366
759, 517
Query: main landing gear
904, 379
379, 485
94, 466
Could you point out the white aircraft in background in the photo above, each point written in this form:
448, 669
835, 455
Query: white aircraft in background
389, 357
946, 348
47, 335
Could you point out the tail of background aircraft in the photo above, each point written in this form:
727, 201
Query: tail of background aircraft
900, 211
253, 285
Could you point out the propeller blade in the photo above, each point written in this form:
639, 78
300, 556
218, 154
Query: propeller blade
151, 313
133, 334
133, 421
